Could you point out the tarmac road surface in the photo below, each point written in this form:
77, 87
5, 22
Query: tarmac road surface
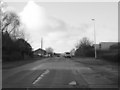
59, 72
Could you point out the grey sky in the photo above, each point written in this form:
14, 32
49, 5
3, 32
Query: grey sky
70, 21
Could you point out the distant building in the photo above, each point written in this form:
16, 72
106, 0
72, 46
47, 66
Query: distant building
72, 52
40, 52
104, 45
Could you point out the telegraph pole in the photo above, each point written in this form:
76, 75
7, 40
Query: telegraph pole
94, 38
41, 43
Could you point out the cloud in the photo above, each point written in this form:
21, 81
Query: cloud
33, 16
64, 37
55, 24
55, 32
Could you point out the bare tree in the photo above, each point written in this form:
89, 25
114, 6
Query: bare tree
9, 21
83, 42
49, 50
84, 48
2, 8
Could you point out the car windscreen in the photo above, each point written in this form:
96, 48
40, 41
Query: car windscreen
67, 53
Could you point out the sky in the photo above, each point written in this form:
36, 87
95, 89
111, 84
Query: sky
63, 24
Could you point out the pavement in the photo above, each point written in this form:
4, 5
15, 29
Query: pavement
60, 72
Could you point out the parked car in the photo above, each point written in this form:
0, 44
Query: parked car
67, 55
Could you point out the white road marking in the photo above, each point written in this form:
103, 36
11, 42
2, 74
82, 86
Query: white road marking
47, 71
41, 76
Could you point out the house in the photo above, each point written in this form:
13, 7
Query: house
40, 52
105, 45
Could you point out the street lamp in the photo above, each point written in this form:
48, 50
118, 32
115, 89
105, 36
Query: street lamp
94, 38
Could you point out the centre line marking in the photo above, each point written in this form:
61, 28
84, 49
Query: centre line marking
41, 76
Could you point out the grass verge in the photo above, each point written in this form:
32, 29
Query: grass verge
14, 64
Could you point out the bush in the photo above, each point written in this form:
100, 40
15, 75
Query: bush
84, 49
12, 56
14, 49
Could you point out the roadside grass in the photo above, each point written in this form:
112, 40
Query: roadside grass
14, 64
97, 64
93, 61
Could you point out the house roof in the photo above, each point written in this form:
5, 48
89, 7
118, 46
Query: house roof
39, 50
109, 42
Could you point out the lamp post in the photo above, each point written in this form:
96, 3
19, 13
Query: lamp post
94, 38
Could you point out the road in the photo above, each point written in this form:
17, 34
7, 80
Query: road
60, 72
